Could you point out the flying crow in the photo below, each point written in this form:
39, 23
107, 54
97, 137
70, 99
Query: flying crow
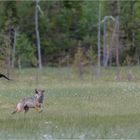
2, 75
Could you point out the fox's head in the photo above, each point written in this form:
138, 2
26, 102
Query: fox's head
39, 94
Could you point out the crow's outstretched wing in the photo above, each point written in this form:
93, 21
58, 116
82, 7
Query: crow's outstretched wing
3, 76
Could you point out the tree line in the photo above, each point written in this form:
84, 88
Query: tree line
69, 32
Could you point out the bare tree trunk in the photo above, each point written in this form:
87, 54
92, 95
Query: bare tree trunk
117, 42
14, 49
133, 39
8, 44
99, 42
113, 38
110, 56
38, 36
105, 50
19, 64
137, 56
105, 42
117, 50
8, 66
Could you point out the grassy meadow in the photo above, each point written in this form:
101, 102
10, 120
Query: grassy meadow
91, 108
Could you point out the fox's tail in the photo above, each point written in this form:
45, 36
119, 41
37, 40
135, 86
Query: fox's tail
14, 112
19, 108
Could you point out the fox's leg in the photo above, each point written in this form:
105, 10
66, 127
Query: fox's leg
26, 108
37, 108
40, 109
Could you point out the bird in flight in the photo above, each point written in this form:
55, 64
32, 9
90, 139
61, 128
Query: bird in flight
3, 76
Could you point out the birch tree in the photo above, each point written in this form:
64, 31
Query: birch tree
99, 38
37, 34
14, 49
118, 41
105, 42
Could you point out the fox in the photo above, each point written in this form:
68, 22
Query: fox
31, 102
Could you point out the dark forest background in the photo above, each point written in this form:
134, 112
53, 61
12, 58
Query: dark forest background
81, 33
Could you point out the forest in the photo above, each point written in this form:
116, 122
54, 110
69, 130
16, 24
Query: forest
66, 33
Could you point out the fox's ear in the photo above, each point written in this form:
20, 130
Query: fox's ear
36, 91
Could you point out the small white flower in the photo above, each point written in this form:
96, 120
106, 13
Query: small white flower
48, 122
82, 137
47, 136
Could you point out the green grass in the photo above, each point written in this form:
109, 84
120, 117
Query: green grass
73, 109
